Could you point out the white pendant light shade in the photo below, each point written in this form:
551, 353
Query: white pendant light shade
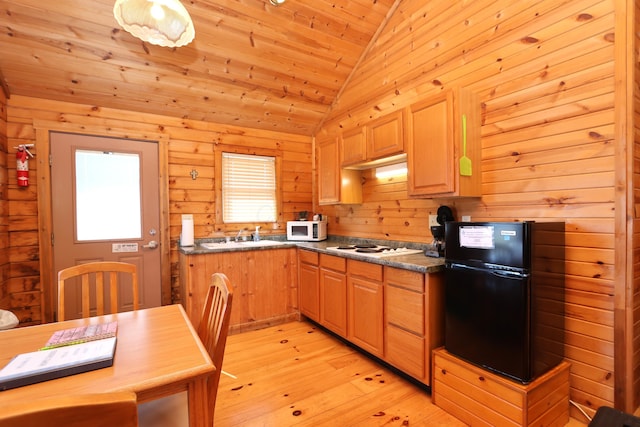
160, 22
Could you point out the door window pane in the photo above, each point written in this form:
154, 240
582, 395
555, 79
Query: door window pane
107, 195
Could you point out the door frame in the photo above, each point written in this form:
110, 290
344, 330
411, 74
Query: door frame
45, 212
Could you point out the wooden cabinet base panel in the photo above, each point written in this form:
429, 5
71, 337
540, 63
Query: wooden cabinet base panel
261, 324
481, 398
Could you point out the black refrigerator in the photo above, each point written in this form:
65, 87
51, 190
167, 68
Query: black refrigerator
504, 295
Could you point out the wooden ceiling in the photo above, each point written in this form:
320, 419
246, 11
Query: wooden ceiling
251, 64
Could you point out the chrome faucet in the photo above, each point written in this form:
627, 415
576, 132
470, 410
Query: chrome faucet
238, 235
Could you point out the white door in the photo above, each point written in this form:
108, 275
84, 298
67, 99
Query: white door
106, 207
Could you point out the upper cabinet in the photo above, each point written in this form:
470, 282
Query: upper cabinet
377, 142
385, 136
443, 146
335, 185
353, 144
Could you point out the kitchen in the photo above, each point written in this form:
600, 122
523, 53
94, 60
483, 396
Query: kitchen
555, 146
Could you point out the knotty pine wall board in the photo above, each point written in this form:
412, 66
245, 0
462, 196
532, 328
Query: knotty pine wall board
5, 296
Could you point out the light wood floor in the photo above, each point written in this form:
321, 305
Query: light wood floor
297, 375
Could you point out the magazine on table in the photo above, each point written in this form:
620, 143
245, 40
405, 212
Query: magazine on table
67, 352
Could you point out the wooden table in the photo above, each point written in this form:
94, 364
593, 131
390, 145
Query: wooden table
158, 353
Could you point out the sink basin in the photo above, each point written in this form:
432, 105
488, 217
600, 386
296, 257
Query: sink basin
241, 244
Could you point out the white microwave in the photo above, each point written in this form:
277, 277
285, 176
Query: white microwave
308, 231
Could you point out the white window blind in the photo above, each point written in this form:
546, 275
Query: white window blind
248, 188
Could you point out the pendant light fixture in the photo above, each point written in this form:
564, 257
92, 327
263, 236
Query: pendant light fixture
160, 22
276, 2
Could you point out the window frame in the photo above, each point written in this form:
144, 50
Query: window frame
219, 149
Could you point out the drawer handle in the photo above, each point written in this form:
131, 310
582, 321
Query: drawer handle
481, 378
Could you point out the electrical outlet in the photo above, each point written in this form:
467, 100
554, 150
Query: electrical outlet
433, 220
466, 218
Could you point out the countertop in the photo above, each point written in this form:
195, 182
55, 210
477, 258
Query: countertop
414, 262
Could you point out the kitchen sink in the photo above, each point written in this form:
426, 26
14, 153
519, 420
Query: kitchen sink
241, 244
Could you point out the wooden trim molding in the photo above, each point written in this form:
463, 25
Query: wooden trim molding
624, 206
45, 220
218, 150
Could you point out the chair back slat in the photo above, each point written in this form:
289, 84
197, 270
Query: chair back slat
95, 273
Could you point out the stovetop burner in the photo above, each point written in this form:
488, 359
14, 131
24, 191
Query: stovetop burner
368, 250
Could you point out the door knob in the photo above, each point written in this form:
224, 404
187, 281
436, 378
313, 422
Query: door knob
152, 245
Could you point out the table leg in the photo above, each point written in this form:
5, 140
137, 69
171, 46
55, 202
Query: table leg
198, 403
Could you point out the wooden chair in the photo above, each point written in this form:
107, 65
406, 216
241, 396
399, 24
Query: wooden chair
95, 410
97, 271
212, 330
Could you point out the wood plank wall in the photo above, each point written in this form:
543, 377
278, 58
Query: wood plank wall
191, 147
4, 208
544, 72
635, 332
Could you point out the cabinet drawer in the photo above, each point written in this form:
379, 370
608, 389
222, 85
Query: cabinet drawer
365, 269
406, 351
411, 280
308, 256
333, 263
405, 309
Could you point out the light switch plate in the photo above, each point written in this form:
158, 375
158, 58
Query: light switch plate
433, 220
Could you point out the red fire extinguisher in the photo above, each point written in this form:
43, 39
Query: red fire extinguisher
22, 164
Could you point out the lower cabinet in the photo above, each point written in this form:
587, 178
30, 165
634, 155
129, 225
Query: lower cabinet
366, 306
392, 313
309, 284
264, 281
333, 293
414, 307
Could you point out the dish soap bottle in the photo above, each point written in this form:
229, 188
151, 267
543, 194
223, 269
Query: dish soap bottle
256, 235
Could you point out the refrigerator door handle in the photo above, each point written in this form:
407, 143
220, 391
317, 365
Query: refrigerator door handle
455, 265
509, 274
500, 273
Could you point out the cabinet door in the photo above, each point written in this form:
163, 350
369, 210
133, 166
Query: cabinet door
263, 283
430, 154
328, 172
353, 145
336, 185
366, 315
333, 297
440, 131
309, 289
385, 136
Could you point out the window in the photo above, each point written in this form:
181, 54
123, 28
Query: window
107, 201
248, 188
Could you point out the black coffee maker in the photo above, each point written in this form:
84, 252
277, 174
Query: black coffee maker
437, 231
